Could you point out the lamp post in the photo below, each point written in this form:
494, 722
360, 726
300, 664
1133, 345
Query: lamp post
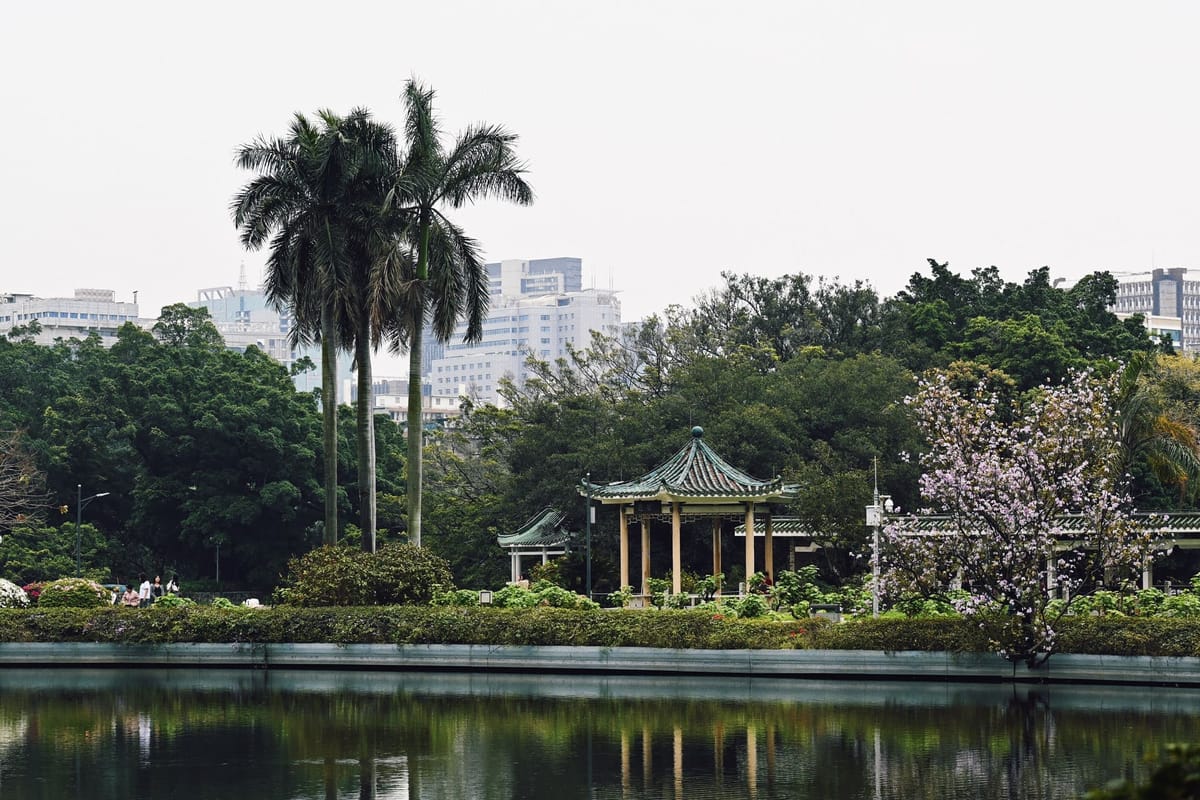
880, 503
587, 479
80, 502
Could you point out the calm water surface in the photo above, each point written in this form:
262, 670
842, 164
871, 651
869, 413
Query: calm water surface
252, 734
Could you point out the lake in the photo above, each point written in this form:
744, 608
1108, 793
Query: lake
227, 735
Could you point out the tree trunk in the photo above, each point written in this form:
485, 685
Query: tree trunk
416, 431
415, 435
366, 439
329, 426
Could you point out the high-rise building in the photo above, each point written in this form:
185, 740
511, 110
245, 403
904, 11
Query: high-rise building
539, 308
89, 311
245, 317
1160, 295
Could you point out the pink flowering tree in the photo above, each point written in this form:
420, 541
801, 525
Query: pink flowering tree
1035, 499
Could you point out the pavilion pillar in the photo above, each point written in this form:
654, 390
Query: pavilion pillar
645, 556
1051, 578
716, 547
516, 567
676, 558
624, 548
1147, 572
749, 543
769, 551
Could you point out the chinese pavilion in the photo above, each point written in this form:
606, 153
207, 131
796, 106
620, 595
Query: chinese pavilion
693, 484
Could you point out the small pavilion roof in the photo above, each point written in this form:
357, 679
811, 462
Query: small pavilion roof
695, 473
544, 529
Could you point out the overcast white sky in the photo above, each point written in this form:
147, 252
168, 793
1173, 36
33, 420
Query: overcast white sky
666, 141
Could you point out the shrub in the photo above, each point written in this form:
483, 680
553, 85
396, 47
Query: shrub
405, 573
326, 576
402, 625
342, 576
174, 601
223, 602
12, 596
753, 605
622, 597
74, 593
550, 571
461, 598
33, 590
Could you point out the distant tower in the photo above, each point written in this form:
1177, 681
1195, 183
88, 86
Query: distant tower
242, 278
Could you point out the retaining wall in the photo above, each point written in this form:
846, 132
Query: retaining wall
799, 664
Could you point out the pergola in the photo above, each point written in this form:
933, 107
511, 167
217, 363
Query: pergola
694, 483
542, 536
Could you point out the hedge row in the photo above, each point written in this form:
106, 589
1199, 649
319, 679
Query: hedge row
1103, 635
399, 625
1108, 635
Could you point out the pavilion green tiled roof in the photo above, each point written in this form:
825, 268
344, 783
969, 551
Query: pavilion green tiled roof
695, 472
543, 530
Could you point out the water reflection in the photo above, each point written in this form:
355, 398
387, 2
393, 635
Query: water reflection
205, 734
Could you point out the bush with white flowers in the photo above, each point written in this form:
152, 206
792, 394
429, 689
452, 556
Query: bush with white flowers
12, 596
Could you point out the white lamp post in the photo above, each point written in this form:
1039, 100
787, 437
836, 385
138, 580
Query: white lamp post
881, 504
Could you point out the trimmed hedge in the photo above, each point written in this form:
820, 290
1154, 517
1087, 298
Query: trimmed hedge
400, 625
1102, 635
1108, 635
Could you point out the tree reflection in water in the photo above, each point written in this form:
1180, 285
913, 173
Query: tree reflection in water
74, 733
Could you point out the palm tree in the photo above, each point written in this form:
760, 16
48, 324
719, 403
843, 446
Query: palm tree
446, 281
317, 200
1150, 432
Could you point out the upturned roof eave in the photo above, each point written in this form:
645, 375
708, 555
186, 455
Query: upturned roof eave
774, 496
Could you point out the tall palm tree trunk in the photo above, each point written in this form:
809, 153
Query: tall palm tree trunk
415, 435
416, 428
329, 426
366, 438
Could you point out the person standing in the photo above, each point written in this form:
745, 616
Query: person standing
144, 591
157, 590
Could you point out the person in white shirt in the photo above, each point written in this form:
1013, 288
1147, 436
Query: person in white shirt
144, 592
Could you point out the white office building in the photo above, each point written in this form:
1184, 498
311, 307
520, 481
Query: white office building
523, 321
1169, 302
89, 311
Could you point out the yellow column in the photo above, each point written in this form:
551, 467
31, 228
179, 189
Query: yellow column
676, 558
749, 543
769, 552
624, 548
645, 557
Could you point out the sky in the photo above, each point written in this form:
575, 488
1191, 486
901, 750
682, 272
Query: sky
666, 141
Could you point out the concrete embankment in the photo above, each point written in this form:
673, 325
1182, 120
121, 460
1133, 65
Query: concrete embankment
798, 664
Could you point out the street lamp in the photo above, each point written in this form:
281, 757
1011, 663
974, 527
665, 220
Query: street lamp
80, 502
587, 482
881, 503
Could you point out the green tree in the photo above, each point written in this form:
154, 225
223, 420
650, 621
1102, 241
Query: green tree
447, 281
317, 200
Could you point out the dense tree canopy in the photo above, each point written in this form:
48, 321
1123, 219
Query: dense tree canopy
200, 446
